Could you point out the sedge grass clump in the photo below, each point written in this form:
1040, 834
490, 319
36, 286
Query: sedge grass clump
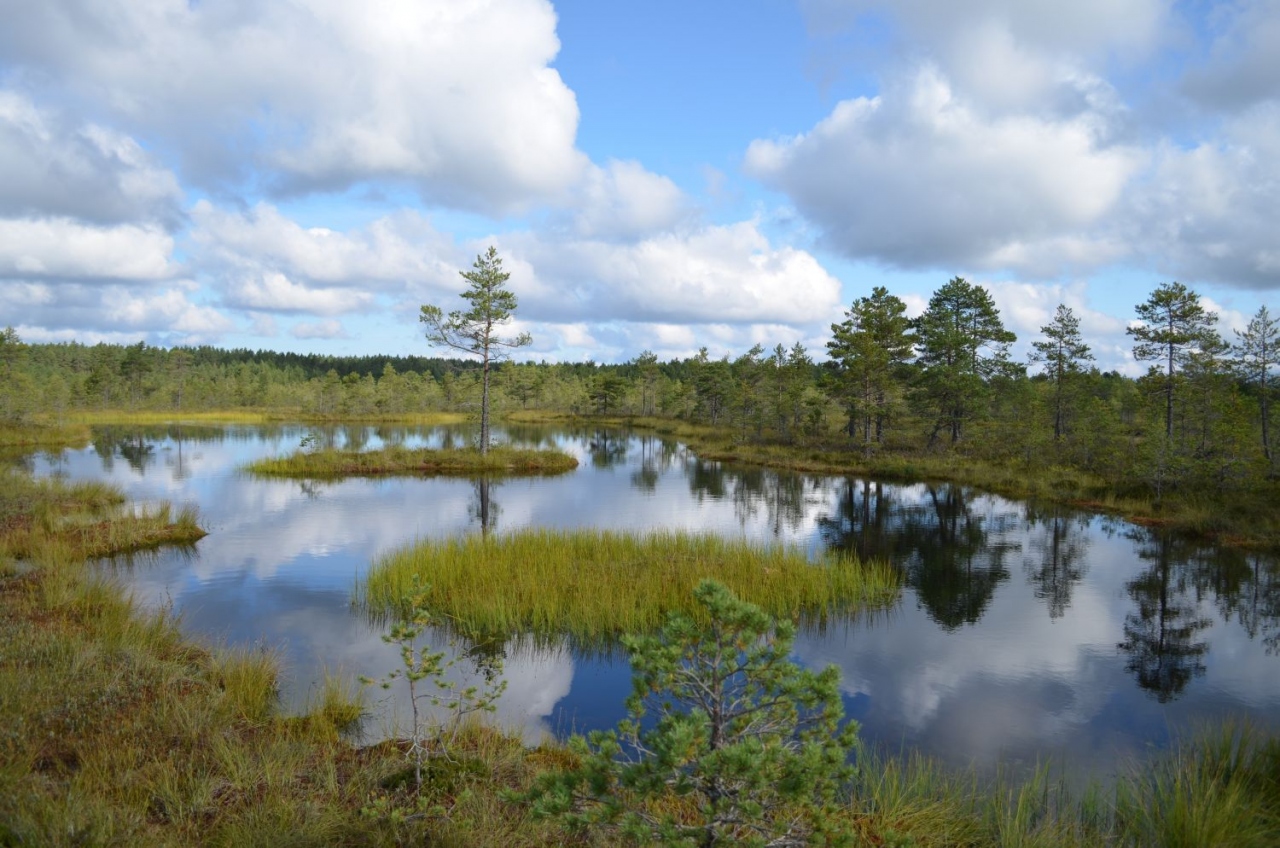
53, 521
31, 434
335, 464
1218, 789
595, 585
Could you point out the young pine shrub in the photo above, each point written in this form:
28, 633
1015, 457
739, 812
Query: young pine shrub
728, 742
427, 674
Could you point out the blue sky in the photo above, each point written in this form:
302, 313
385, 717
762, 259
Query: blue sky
303, 175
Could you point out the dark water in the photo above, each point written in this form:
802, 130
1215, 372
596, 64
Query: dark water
1025, 631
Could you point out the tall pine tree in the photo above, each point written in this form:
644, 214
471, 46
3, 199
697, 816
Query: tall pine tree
961, 344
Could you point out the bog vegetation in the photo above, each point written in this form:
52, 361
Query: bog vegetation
116, 730
937, 396
599, 585
397, 460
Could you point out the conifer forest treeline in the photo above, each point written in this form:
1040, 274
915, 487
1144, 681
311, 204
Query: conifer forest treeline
1198, 421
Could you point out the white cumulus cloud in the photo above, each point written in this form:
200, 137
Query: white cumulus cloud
274, 292
455, 97
50, 166
727, 273
62, 248
917, 177
387, 253
625, 200
329, 329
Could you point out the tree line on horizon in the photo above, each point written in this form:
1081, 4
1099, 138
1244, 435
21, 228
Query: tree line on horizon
944, 381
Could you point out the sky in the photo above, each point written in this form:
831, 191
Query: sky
305, 174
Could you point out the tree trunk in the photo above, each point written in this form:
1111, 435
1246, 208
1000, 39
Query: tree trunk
484, 407
1266, 413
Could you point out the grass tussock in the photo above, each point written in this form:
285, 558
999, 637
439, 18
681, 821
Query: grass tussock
335, 464
50, 518
420, 419
126, 734
34, 435
596, 585
1219, 788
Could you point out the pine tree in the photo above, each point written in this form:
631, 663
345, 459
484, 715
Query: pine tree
1255, 357
868, 348
728, 742
1062, 351
475, 330
1175, 327
961, 343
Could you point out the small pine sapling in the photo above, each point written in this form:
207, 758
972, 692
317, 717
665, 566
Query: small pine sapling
728, 741
429, 677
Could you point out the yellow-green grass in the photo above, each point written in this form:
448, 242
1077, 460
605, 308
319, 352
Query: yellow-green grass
333, 464
253, 416
84, 520
597, 585
174, 416
432, 419
116, 730
1220, 787
42, 434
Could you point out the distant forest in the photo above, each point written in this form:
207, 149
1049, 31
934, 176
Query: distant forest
1198, 420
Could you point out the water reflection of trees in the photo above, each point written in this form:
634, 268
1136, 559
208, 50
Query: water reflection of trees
656, 456
782, 499
1164, 654
484, 509
607, 448
951, 555
134, 446
137, 445
1247, 585
706, 480
1058, 563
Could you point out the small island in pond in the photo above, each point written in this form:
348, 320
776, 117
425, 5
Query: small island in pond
400, 461
596, 585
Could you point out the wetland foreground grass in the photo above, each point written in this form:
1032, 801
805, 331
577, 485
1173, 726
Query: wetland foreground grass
336, 464
115, 729
598, 585
83, 520
41, 434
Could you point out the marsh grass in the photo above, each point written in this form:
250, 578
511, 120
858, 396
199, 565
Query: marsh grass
334, 464
136, 417
593, 585
1220, 787
116, 730
84, 521
40, 434
421, 419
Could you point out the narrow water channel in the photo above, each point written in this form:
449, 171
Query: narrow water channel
1025, 631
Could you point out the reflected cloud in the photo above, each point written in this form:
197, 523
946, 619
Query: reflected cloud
1106, 647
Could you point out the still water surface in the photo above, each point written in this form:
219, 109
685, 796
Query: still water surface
1025, 631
